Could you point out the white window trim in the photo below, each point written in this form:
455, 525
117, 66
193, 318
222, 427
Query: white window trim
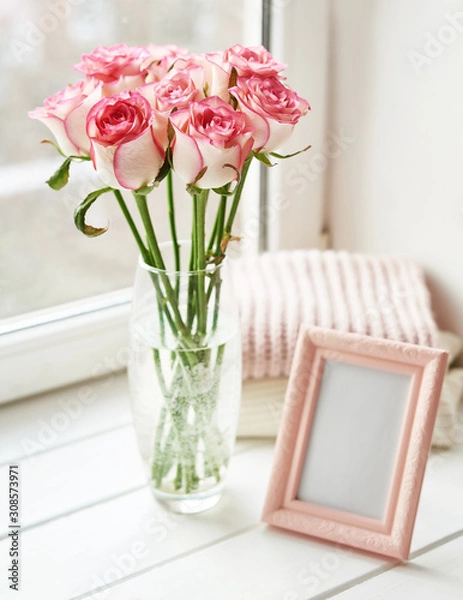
295, 210
60, 346
82, 340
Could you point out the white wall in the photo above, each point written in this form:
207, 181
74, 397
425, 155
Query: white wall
398, 186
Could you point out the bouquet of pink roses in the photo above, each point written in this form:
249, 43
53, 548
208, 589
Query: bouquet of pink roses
141, 114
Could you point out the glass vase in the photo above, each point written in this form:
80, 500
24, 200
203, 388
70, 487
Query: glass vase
185, 378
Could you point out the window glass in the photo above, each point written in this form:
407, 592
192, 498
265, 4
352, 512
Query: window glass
44, 260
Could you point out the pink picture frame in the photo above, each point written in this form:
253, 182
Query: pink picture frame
354, 439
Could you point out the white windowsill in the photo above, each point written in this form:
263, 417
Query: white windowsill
63, 345
88, 519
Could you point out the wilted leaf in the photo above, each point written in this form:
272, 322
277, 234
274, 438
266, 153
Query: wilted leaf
61, 176
289, 155
81, 211
263, 158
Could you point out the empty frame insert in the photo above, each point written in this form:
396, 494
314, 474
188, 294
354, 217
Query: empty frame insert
354, 439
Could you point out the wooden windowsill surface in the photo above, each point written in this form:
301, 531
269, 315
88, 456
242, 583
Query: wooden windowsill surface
90, 528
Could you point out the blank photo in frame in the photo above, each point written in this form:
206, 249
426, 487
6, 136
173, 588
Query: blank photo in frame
354, 439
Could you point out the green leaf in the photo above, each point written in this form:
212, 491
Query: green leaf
146, 189
81, 211
80, 158
61, 176
75, 157
170, 132
199, 175
192, 189
224, 190
276, 155
166, 166
263, 158
54, 146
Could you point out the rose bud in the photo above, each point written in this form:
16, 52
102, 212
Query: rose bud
118, 67
65, 114
271, 108
252, 60
125, 150
210, 135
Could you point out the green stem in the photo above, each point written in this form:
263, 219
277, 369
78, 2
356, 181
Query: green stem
215, 318
220, 224
157, 468
133, 228
200, 221
175, 405
191, 278
153, 245
145, 254
235, 203
180, 398
178, 326
217, 230
173, 228
210, 246
216, 280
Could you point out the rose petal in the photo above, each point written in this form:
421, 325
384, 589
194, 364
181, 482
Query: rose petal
258, 122
124, 83
103, 160
137, 163
279, 134
57, 128
186, 157
216, 158
75, 122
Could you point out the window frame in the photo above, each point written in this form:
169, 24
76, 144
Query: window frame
63, 345
300, 37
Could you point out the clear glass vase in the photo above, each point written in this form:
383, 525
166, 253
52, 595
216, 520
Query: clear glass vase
185, 378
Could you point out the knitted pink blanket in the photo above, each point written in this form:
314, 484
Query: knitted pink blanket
378, 296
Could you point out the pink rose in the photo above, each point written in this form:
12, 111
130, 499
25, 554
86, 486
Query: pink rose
177, 90
125, 151
65, 114
272, 108
209, 133
208, 73
252, 60
119, 67
161, 59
